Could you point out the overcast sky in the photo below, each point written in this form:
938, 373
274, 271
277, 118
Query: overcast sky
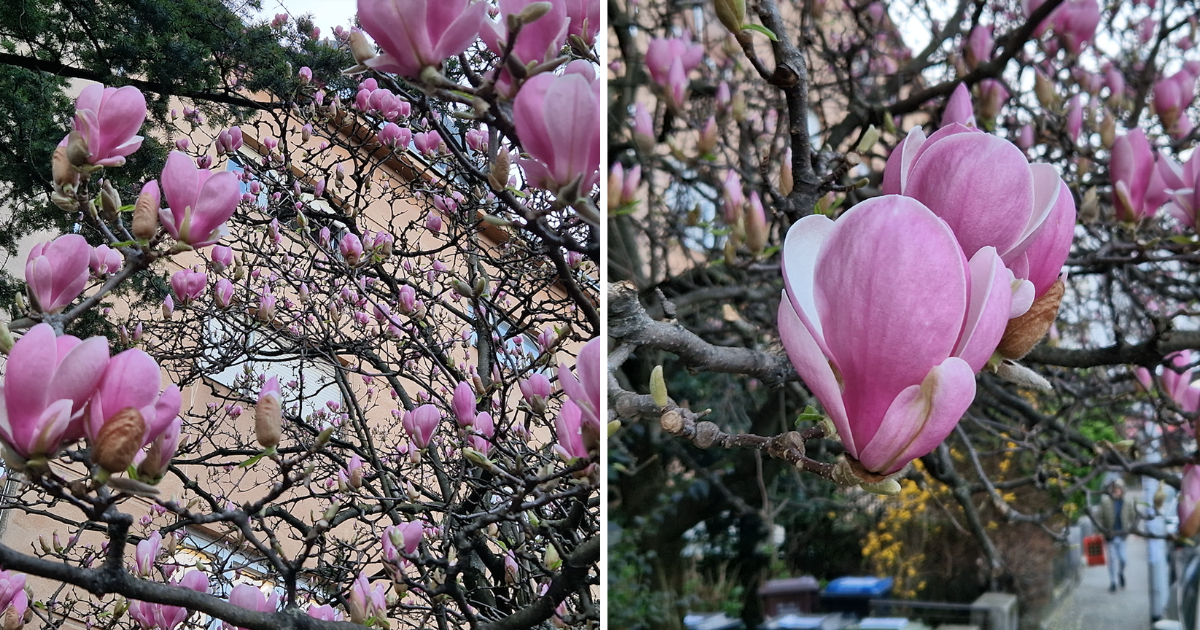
326, 13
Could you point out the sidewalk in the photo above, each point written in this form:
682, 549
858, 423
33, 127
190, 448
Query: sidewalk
1091, 607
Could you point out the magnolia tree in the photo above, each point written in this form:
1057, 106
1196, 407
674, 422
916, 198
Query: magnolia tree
942, 236
354, 376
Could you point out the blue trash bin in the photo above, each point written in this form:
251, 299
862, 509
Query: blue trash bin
853, 595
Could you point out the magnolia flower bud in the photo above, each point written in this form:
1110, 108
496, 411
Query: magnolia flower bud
65, 175
360, 47
498, 175
145, 212
268, 417
1108, 130
732, 14
110, 201
658, 387
1044, 90
119, 440
77, 150
534, 11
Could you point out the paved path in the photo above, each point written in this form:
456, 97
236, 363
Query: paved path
1091, 607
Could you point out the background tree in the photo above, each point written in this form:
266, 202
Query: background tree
729, 136
362, 261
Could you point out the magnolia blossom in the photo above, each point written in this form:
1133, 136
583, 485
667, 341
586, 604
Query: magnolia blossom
981, 185
1131, 169
108, 120
896, 377
568, 426
48, 382
420, 423
585, 20
200, 201
105, 260
1189, 500
365, 602
229, 140
251, 597
146, 554
351, 248
57, 272
417, 34
188, 285
538, 42
558, 120
131, 381
661, 54
324, 613
406, 536
13, 595
463, 403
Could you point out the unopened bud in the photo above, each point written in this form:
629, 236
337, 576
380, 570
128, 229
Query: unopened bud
498, 174
552, 560
887, 487
738, 107
360, 47
1044, 89
478, 459
110, 201
6, 338
119, 440
1108, 130
145, 213
267, 420
658, 387
462, 288
65, 175
732, 14
868, 140
534, 11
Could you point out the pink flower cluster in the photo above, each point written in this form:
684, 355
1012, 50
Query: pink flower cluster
67, 389
889, 311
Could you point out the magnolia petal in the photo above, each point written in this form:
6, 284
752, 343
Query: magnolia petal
987, 315
891, 293
1047, 188
814, 370
921, 417
800, 251
895, 174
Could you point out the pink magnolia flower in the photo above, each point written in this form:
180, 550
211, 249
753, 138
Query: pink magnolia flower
222, 257
108, 119
131, 380
536, 385
1075, 23
163, 448
981, 185
1172, 96
661, 53
537, 42
47, 384
324, 613
406, 536
394, 136
427, 143
407, 298
463, 403
146, 554
992, 95
1189, 499
200, 201
896, 377
12, 593
105, 260
477, 140
188, 285
979, 46
643, 127
585, 389
1182, 183
1074, 118
568, 426
958, 108
416, 34
229, 140
1131, 168
585, 20
251, 597
558, 121
351, 248
420, 424
57, 272
365, 602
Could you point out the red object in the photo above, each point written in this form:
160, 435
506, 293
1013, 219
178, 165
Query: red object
1093, 548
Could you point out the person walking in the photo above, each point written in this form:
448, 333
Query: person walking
1116, 518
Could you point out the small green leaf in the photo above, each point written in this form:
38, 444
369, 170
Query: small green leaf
252, 461
810, 414
758, 28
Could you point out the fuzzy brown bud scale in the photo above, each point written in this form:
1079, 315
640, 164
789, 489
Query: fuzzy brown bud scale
1024, 332
119, 440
